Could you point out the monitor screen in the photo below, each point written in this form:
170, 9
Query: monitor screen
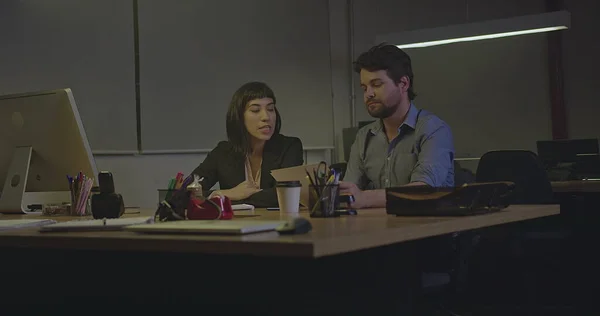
553, 152
42, 140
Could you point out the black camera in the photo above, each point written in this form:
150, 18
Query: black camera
107, 203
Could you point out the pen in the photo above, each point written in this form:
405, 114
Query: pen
312, 182
188, 181
317, 179
170, 188
75, 189
309, 178
70, 179
178, 180
330, 180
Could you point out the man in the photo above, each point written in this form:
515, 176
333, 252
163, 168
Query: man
406, 145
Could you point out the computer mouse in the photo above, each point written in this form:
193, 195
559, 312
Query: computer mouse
298, 225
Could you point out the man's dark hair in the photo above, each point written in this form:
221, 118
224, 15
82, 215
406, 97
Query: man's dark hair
237, 133
391, 59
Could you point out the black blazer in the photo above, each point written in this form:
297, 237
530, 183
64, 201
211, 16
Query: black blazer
225, 166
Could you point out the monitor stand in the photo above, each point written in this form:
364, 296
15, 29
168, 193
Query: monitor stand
11, 200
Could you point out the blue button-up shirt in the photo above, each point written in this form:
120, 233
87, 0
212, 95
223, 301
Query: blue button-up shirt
423, 151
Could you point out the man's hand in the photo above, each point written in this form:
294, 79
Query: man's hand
349, 188
363, 199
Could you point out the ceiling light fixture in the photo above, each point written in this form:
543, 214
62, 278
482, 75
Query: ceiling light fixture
527, 24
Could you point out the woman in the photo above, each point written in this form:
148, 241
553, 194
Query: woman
242, 165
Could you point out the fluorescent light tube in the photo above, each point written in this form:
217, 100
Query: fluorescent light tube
529, 24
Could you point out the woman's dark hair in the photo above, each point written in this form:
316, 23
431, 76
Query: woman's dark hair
390, 58
237, 134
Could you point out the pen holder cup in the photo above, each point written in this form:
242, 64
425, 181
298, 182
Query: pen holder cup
86, 209
176, 198
323, 200
57, 209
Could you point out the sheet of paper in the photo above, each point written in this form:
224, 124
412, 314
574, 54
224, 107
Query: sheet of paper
296, 174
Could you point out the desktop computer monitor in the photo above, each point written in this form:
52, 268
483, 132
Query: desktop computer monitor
42, 140
568, 151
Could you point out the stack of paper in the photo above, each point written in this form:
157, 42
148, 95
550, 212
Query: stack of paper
97, 224
22, 223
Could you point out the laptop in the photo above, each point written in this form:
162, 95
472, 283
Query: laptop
570, 159
221, 227
554, 152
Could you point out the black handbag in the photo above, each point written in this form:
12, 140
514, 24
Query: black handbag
173, 208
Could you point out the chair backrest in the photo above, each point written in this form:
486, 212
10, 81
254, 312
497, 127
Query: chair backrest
521, 167
462, 175
361, 124
339, 167
348, 137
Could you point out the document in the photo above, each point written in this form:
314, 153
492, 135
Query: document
296, 174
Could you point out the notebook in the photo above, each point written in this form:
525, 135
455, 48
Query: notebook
23, 223
227, 227
96, 224
242, 207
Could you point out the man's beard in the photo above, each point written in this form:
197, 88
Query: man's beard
383, 111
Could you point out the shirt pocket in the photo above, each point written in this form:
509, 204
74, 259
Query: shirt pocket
404, 164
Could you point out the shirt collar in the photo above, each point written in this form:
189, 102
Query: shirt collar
410, 120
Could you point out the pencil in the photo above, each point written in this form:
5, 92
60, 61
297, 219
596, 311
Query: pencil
309, 178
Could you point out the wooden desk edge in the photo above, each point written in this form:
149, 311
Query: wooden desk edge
353, 243
152, 243
309, 249
576, 186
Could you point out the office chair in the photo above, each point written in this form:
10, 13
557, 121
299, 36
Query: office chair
339, 167
446, 258
348, 137
521, 167
362, 124
532, 186
462, 175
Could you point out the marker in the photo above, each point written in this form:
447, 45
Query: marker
178, 180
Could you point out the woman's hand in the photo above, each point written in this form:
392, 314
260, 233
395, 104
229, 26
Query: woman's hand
242, 191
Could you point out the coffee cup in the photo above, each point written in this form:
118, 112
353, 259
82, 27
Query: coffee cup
288, 196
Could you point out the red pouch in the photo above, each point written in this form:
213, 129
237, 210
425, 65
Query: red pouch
225, 204
209, 209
